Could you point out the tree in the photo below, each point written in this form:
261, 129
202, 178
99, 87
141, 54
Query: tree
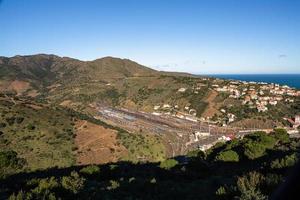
90, 170
168, 164
261, 137
228, 156
253, 150
287, 161
249, 186
74, 182
281, 135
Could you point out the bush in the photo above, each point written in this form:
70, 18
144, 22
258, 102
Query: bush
227, 156
261, 137
20, 196
10, 162
281, 135
249, 185
10, 120
2, 125
19, 120
168, 164
287, 161
45, 186
30, 127
253, 150
92, 169
196, 154
231, 144
73, 183
221, 191
113, 185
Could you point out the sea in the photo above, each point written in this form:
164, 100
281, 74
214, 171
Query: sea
292, 80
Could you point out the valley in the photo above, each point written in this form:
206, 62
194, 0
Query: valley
59, 114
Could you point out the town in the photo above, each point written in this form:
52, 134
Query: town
258, 96
183, 131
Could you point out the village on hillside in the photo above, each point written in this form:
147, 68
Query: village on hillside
183, 130
259, 96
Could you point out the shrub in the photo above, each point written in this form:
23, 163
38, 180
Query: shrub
196, 154
153, 180
73, 183
2, 125
19, 120
92, 169
228, 156
20, 196
113, 185
281, 135
253, 150
221, 191
249, 186
45, 185
231, 144
261, 137
9, 162
287, 161
10, 120
168, 164
30, 127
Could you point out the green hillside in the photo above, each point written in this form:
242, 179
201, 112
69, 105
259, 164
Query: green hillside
251, 168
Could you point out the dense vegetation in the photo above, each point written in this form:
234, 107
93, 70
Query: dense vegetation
250, 168
43, 136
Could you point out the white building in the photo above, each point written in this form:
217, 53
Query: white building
181, 89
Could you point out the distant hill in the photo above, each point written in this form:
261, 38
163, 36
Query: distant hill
47, 69
123, 83
115, 81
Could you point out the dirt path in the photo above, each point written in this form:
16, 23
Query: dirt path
96, 144
212, 107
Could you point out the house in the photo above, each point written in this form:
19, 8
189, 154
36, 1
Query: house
273, 102
198, 134
193, 119
261, 92
289, 100
295, 122
156, 113
179, 115
181, 89
223, 110
166, 106
205, 147
247, 99
193, 112
261, 108
231, 117
156, 107
224, 138
297, 119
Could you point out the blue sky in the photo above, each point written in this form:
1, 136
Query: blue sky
212, 36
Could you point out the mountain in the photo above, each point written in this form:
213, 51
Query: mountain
126, 84
108, 80
45, 69
112, 128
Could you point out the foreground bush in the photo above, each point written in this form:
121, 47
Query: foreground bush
10, 162
168, 164
228, 156
89, 170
